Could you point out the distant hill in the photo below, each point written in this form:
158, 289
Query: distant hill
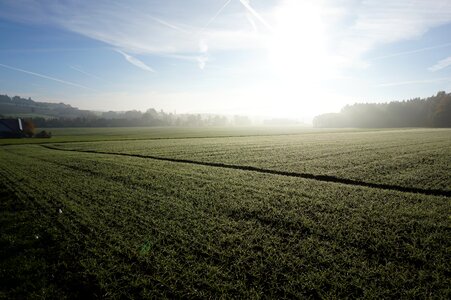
28, 108
434, 111
49, 115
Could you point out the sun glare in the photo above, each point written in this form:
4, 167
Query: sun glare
297, 45
297, 54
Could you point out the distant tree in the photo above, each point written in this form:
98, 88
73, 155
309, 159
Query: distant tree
109, 115
442, 111
43, 134
133, 114
5, 99
28, 127
241, 120
64, 115
434, 111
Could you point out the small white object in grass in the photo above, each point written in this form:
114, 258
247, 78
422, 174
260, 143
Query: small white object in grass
36, 236
60, 211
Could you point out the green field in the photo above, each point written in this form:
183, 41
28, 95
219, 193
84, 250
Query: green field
65, 135
226, 213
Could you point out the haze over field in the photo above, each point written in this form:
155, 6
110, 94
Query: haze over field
282, 58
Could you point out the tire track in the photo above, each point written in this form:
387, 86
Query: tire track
323, 178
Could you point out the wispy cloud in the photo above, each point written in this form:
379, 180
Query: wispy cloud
146, 28
86, 73
136, 62
373, 23
170, 25
141, 31
444, 63
421, 81
149, 27
43, 50
202, 59
47, 77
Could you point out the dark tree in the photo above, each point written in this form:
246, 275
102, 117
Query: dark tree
434, 111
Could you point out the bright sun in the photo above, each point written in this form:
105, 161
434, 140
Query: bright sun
297, 54
297, 45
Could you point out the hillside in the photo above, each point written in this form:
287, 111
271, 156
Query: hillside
17, 106
50, 115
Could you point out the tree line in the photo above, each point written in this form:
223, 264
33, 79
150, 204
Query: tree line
433, 111
144, 120
149, 118
50, 115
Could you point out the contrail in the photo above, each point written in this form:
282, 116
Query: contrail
216, 15
86, 73
256, 15
136, 62
251, 21
158, 20
441, 64
169, 25
47, 77
411, 51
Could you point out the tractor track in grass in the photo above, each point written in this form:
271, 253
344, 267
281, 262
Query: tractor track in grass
322, 178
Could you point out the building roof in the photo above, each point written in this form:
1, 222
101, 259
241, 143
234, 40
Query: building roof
10, 125
11, 128
3, 127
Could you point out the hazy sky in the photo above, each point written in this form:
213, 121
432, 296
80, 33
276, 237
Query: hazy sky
281, 58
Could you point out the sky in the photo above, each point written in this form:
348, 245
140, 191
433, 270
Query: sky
262, 58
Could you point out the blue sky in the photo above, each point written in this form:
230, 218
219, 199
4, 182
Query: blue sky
280, 58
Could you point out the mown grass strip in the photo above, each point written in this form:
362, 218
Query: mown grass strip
323, 178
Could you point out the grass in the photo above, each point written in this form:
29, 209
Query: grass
35, 261
412, 158
132, 227
65, 135
68, 135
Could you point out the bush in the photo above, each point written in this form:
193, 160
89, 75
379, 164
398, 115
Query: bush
43, 134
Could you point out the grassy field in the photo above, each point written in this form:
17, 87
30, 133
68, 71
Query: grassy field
243, 213
65, 135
